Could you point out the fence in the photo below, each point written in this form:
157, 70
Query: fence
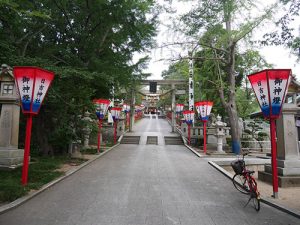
260, 146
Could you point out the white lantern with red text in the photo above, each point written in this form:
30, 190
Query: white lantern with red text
115, 113
101, 106
270, 87
188, 116
33, 84
179, 108
203, 108
126, 108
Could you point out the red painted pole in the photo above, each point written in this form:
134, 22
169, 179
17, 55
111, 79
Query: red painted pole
189, 133
127, 119
99, 136
274, 158
204, 137
26, 150
115, 132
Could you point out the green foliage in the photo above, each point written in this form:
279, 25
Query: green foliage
246, 102
261, 136
91, 151
285, 33
89, 45
41, 171
207, 81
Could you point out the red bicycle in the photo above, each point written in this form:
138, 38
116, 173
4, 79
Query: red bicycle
244, 182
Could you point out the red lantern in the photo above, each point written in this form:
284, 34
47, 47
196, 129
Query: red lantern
33, 84
126, 109
115, 112
189, 119
179, 108
101, 106
204, 108
270, 87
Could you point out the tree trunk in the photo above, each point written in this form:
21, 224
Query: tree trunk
42, 137
230, 106
235, 128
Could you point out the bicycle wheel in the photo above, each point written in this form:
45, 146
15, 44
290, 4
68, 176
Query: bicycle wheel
256, 203
240, 183
255, 194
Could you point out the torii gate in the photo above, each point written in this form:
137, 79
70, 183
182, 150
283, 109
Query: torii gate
173, 84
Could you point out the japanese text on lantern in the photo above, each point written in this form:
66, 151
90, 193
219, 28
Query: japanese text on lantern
203, 111
277, 91
262, 96
26, 89
40, 92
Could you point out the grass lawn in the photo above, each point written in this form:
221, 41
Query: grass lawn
42, 170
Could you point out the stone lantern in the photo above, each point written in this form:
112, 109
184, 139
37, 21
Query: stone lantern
86, 129
220, 133
10, 156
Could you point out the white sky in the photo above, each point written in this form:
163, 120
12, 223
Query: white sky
277, 55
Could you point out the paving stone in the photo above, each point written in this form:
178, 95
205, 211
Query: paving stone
145, 185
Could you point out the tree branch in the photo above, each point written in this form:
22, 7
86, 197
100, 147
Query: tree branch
59, 60
193, 43
103, 39
248, 28
30, 38
65, 14
194, 58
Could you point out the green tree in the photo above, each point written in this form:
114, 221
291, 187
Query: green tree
218, 26
88, 44
284, 33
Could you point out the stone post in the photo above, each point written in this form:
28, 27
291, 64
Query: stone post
287, 142
86, 129
220, 134
288, 160
10, 156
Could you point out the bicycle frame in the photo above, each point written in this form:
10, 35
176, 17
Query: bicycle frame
250, 181
246, 184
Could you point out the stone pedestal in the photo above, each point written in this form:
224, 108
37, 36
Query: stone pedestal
287, 150
121, 127
220, 144
10, 156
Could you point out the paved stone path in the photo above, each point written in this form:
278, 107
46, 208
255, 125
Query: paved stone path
144, 184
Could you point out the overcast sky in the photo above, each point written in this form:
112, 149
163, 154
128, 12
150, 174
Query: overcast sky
278, 56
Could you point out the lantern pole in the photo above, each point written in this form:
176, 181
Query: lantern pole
173, 108
99, 135
274, 160
26, 150
33, 84
274, 84
189, 133
115, 132
204, 136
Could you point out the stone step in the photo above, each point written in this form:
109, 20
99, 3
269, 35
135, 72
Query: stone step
130, 140
171, 140
152, 140
283, 181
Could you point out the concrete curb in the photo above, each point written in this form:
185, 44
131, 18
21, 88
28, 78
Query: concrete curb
185, 143
24, 199
192, 150
264, 200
